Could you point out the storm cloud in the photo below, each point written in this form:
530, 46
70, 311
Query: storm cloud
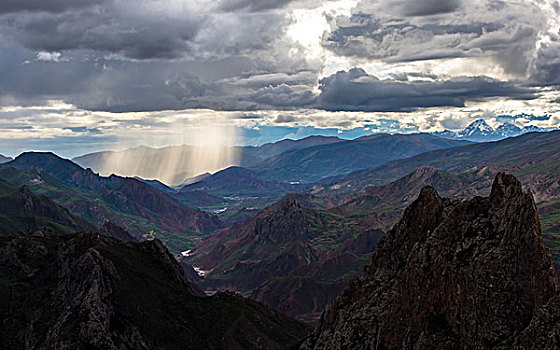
240, 55
355, 90
424, 7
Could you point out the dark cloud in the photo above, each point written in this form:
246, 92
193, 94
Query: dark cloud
145, 55
355, 90
117, 86
546, 66
94, 83
143, 29
110, 31
424, 7
556, 6
7, 6
284, 96
252, 5
235, 55
285, 118
529, 117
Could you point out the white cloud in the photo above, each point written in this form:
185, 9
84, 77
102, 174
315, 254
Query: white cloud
50, 57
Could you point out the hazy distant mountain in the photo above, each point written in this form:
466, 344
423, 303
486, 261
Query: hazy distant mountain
316, 163
480, 131
171, 165
176, 165
4, 159
306, 160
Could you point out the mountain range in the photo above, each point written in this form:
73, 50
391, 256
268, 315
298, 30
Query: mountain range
153, 163
532, 153
298, 248
268, 172
451, 273
480, 131
287, 161
534, 158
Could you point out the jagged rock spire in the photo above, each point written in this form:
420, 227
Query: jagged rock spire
450, 274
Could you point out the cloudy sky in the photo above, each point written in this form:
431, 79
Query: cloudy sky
84, 75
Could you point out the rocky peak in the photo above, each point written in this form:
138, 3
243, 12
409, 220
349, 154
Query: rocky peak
506, 187
424, 171
287, 223
508, 129
477, 128
450, 274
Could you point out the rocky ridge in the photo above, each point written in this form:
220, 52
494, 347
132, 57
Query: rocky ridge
88, 291
455, 275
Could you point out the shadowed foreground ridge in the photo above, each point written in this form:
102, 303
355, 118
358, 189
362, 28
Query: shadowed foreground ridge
87, 291
453, 275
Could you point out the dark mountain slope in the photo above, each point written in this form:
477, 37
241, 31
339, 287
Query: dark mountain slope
287, 252
20, 210
523, 155
305, 291
134, 205
452, 275
237, 181
87, 291
319, 162
271, 149
386, 203
406, 189
60, 168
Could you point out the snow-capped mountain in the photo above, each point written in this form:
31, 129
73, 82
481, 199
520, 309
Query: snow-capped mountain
480, 131
509, 130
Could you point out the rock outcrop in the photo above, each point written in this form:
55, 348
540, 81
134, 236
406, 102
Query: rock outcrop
452, 275
89, 291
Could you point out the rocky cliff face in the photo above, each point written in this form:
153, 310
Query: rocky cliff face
88, 291
453, 275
